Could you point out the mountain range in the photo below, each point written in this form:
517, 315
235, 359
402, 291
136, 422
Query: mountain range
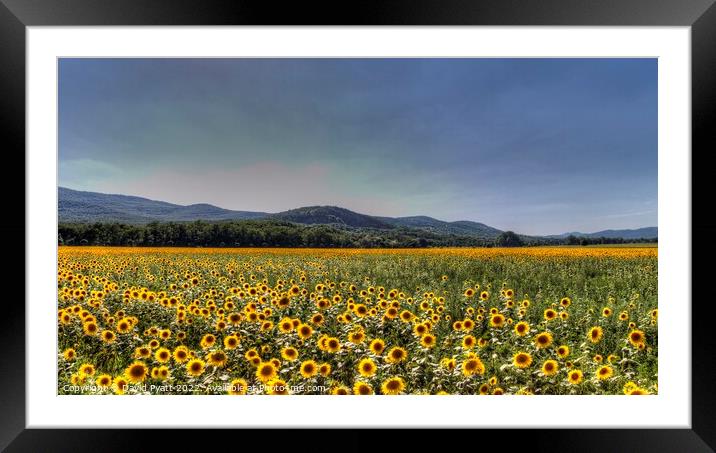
646, 233
85, 207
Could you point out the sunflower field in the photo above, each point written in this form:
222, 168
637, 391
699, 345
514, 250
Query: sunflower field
489, 321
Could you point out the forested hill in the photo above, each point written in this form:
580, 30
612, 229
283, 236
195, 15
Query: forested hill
105, 219
91, 207
275, 233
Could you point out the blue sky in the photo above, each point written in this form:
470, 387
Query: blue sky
538, 146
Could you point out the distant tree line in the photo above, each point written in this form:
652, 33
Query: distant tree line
578, 240
271, 233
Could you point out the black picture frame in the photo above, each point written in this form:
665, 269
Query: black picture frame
700, 15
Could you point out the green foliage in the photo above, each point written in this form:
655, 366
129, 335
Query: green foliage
264, 233
508, 239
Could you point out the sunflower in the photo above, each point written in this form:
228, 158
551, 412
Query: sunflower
234, 318
142, 352
497, 320
605, 372
484, 389
565, 302
473, 366
317, 319
108, 336
266, 371
469, 292
195, 367
340, 390
217, 358
606, 312
550, 314
162, 355
333, 344
623, 316
163, 372
65, 317
637, 337
104, 380
522, 360
468, 342
231, 342
124, 325
543, 340
136, 372
238, 387
428, 340
181, 354
69, 354
120, 385
309, 368
574, 377
377, 346
522, 328
362, 310
362, 388
304, 331
563, 351
356, 337
86, 369
420, 329
396, 355
595, 334
285, 325
448, 363
277, 387
392, 386
366, 367
324, 369
90, 328
290, 353
550, 367
208, 341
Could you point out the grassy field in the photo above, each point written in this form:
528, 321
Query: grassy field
556, 320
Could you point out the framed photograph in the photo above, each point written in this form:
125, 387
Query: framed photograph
482, 220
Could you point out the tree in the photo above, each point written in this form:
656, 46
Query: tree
508, 239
